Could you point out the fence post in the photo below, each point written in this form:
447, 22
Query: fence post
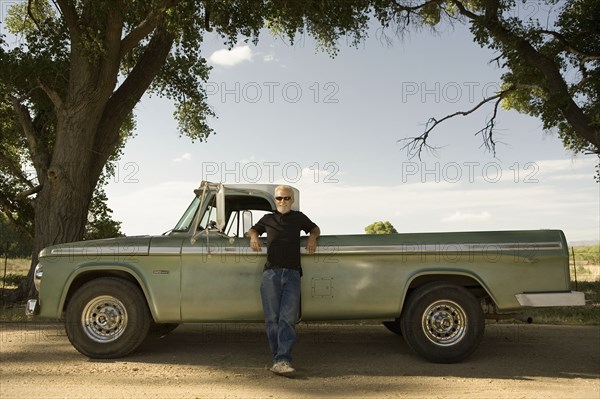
4, 276
574, 266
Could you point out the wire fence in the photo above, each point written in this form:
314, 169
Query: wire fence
585, 263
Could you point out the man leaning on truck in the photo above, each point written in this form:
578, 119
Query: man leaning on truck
280, 286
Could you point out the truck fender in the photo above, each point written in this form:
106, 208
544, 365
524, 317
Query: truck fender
96, 270
458, 277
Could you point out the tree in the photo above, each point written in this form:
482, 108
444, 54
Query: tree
380, 228
69, 90
100, 223
551, 64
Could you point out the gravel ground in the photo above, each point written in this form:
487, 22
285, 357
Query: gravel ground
231, 361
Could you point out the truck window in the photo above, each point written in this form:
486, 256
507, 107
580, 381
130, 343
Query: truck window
209, 219
188, 216
235, 225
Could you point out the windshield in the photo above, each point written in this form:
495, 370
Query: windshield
186, 220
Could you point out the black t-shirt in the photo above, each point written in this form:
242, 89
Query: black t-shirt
283, 238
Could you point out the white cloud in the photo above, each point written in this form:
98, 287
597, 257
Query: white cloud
231, 57
185, 157
270, 58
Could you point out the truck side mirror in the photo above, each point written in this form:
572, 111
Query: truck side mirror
221, 208
246, 222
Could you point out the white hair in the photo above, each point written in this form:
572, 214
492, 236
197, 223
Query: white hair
284, 187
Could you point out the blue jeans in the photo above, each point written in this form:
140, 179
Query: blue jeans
280, 293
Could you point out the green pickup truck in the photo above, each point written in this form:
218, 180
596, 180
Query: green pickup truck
434, 289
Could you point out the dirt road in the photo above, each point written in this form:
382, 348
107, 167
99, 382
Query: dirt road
230, 361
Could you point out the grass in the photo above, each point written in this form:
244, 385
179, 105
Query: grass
590, 253
12, 272
587, 263
573, 315
16, 270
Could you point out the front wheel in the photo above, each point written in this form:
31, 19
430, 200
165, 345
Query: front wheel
444, 323
107, 318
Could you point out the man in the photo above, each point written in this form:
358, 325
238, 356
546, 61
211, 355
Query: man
280, 286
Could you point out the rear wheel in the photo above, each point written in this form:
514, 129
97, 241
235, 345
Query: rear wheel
444, 323
107, 318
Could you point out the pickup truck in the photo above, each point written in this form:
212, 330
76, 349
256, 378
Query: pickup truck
433, 289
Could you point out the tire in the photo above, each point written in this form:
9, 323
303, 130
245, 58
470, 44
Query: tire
107, 318
442, 322
393, 326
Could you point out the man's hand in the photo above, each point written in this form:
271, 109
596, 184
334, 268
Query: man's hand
254, 241
311, 245
255, 245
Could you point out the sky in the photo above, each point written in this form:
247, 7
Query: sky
333, 127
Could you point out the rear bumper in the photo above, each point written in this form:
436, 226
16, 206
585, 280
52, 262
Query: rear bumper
550, 299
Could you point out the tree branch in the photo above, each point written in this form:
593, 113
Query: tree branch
15, 170
8, 208
39, 154
144, 28
109, 67
570, 48
26, 122
129, 93
464, 11
554, 83
27, 193
69, 13
30, 13
415, 145
487, 133
54, 97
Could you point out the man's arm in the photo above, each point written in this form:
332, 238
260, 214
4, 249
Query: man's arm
311, 246
254, 242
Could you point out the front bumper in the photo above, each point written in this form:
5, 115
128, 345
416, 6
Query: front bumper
33, 307
551, 299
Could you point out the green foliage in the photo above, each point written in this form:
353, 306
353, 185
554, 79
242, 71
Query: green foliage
100, 223
380, 228
14, 242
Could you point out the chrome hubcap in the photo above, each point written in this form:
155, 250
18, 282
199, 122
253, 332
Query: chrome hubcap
444, 323
104, 319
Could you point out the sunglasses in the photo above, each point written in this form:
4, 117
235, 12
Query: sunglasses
283, 198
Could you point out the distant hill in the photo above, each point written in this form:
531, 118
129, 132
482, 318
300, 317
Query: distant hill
584, 243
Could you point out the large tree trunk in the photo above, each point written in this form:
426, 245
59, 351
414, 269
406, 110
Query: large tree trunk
88, 128
61, 210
